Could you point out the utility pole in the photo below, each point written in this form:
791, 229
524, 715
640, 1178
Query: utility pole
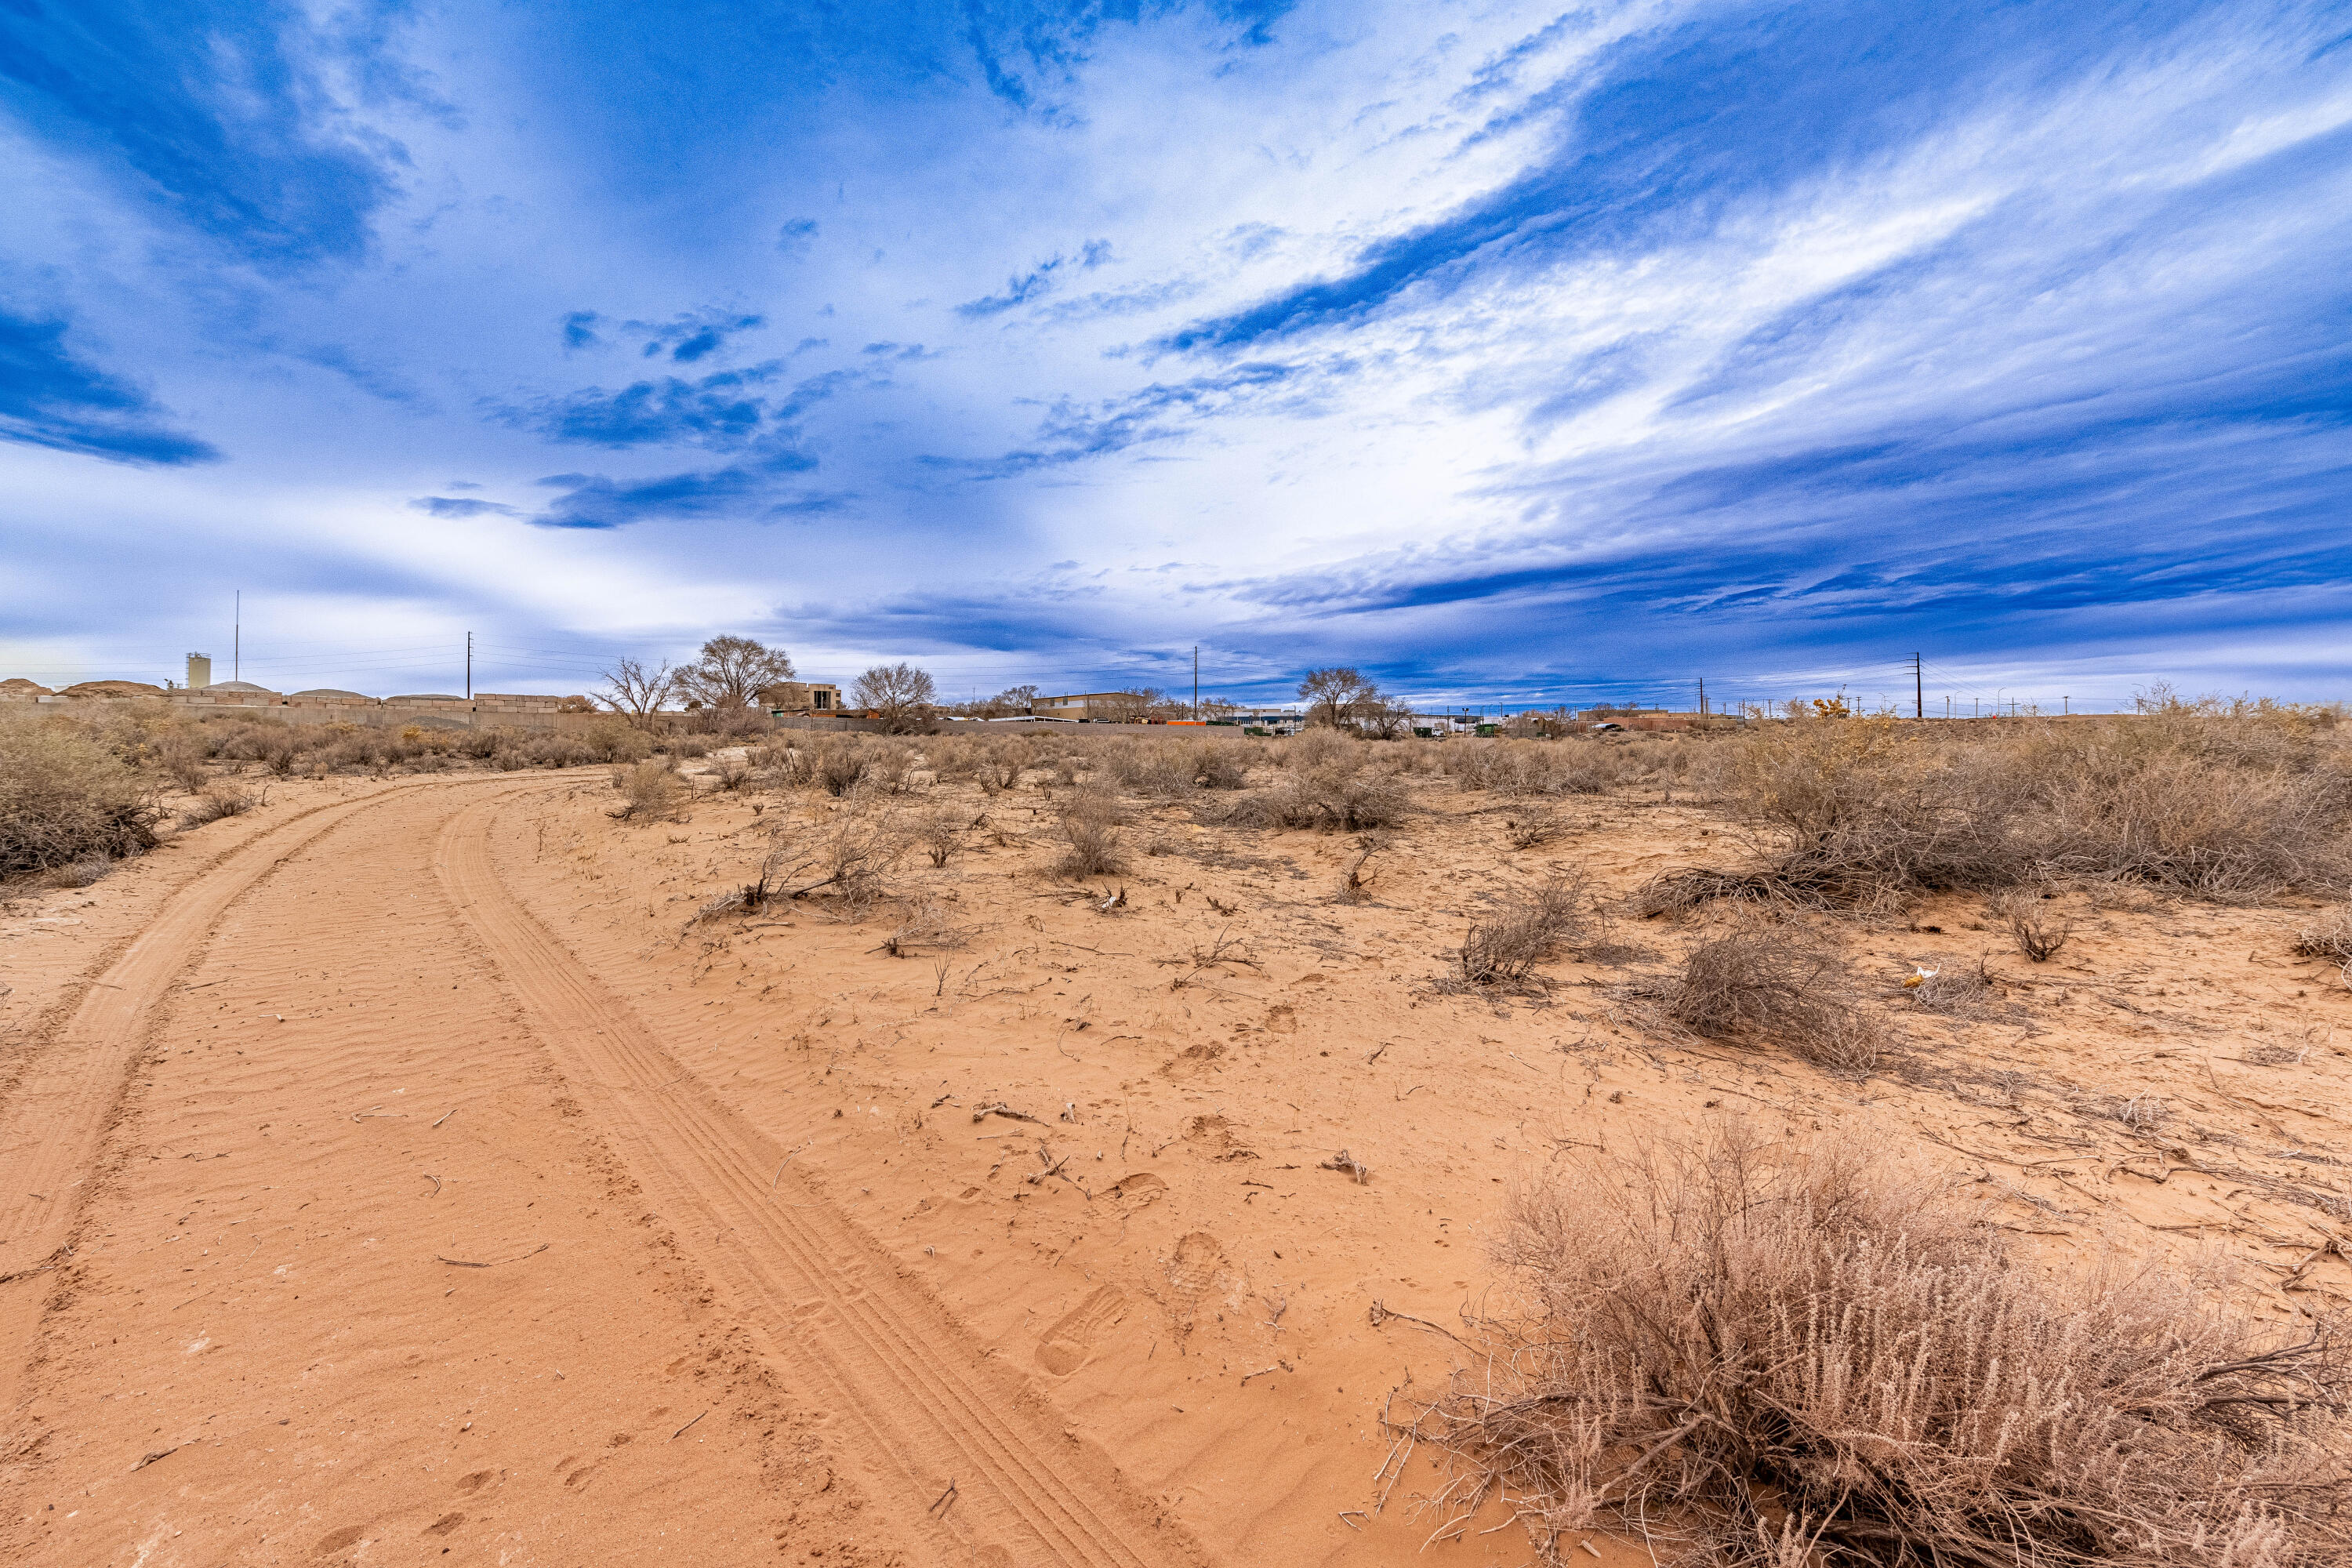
1702, 696
2069, 702
1918, 690
1196, 683
236, 647
469, 666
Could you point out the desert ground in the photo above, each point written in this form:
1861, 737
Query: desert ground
423, 1167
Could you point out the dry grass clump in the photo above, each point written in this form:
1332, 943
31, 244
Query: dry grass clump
927, 926
220, 800
1090, 824
1760, 987
1747, 1355
1502, 948
1950, 987
1537, 826
65, 798
650, 792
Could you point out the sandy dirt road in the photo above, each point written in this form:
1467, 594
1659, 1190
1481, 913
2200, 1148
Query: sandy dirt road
348, 1218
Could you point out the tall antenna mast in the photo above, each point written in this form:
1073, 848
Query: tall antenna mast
236, 647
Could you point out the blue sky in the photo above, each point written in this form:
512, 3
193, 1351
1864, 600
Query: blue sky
1515, 353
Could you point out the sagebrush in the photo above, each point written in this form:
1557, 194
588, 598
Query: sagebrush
1744, 1355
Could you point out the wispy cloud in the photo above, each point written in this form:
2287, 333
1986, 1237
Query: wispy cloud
210, 111
725, 409
463, 506
48, 398
1028, 287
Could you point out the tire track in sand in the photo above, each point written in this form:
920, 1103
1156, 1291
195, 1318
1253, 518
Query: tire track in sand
53, 1124
929, 1406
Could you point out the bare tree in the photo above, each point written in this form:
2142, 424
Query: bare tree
729, 672
1383, 718
636, 689
901, 695
1337, 695
1014, 700
1131, 705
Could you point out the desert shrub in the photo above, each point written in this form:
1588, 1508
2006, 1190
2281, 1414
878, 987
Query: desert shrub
553, 749
64, 798
927, 925
1319, 748
845, 860
1763, 988
2040, 933
180, 759
1219, 764
1504, 947
686, 745
998, 761
940, 833
2202, 825
1090, 826
890, 768
1588, 767
1750, 1356
614, 740
649, 793
1537, 825
1848, 816
1356, 881
2329, 936
222, 799
839, 762
88, 871
1862, 812
1156, 767
1332, 799
730, 774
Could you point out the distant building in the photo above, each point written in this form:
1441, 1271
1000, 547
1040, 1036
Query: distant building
1111, 705
200, 671
801, 697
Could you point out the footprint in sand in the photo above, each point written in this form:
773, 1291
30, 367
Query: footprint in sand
1200, 1259
1139, 1189
340, 1541
1069, 1343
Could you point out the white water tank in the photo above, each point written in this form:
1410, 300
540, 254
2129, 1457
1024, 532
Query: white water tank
200, 671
